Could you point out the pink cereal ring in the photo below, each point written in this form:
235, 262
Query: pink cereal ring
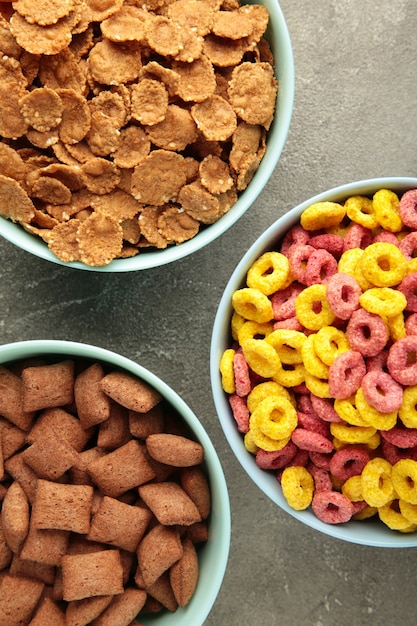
241, 372
348, 462
377, 362
411, 324
327, 241
366, 333
386, 237
321, 477
408, 208
332, 507
292, 323
311, 441
298, 257
324, 409
357, 236
381, 391
240, 412
304, 405
400, 436
320, 460
394, 453
283, 301
276, 459
297, 235
343, 294
408, 245
345, 374
321, 265
402, 360
408, 287
312, 422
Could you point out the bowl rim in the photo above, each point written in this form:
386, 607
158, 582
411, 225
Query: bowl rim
216, 549
358, 532
277, 135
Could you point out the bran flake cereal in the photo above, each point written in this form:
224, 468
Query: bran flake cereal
105, 87
106, 500
347, 366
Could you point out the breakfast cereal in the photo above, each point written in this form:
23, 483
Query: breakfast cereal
125, 95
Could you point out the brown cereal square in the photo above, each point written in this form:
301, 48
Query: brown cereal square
123, 608
62, 507
48, 386
141, 425
48, 613
32, 569
130, 392
18, 598
11, 400
119, 524
50, 456
95, 574
79, 473
114, 432
93, 406
80, 612
45, 546
121, 470
17, 468
158, 550
170, 504
68, 427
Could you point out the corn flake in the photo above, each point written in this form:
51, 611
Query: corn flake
177, 225
159, 177
163, 35
148, 225
76, 117
114, 64
199, 203
37, 39
149, 101
215, 174
197, 81
62, 241
128, 24
100, 239
42, 109
175, 132
192, 14
43, 12
15, 203
215, 118
133, 147
252, 92
232, 24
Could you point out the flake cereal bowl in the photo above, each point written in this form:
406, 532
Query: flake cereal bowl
213, 553
369, 532
280, 44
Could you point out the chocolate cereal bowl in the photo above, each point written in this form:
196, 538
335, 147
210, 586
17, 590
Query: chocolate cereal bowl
371, 530
171, 225
44, 483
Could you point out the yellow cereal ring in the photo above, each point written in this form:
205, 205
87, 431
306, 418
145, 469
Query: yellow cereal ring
394, 519
361, 210
264, 390
404, 479
317, 386
383, 264
288, 344
374, 442
290, 375
408, 510
313, 364
269, 273
347, 410
252, 304
254, 330
351, 434
236, 324
226, 371
383, 301
412, 266
329, 342
386, 205
349, 263
312, 309
297, 487
322, 215
352, 488
264, 442
396, 326
377, 487
275, 417
408, 409
261, 357
365, 513
249, 443
373, 417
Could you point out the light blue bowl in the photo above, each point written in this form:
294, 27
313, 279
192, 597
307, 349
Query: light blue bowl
281, 47
370, 532
213, 555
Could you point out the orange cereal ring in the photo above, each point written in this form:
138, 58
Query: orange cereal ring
322, 215
297, 487
383, 264
312, 309
288, 344
386, 205
226, 371
404, 479
383, 301
361, 211
269, 273
252, 304
261, 357
332, 507
275, 417
346, 373
377, 487
329, 343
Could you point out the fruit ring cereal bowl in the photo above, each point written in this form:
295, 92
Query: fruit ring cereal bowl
166, 133
110, 480
313, 362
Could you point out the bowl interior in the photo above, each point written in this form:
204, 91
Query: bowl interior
213, 556
368, 532
279, 39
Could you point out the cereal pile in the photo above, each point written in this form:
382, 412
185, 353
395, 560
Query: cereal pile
105, 499
322, 372
127, 126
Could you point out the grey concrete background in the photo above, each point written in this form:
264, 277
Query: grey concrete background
354, 118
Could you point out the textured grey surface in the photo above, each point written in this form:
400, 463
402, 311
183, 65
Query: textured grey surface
354, 118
